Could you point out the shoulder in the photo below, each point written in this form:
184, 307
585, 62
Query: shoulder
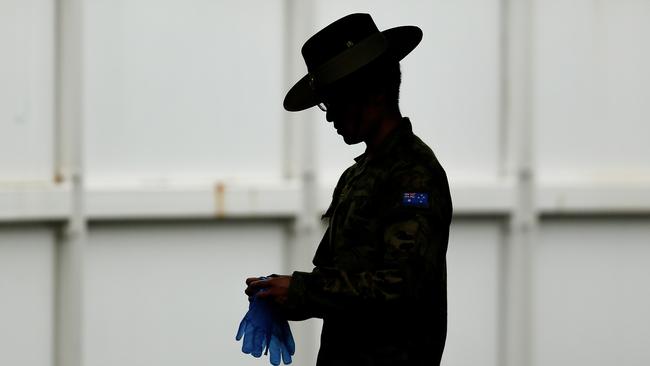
416, 172
414, 162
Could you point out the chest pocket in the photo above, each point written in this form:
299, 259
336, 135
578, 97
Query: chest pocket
358, 215
358, 237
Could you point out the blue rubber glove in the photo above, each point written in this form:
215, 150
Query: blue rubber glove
281, 343
253, 329
264, 330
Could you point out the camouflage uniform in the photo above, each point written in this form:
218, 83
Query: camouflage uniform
380, 278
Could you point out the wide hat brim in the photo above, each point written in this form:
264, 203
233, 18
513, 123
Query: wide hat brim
398, 42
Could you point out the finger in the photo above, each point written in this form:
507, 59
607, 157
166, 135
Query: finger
241, 329
288, 339
258, 285
286, 355
276, 349
264, 294
250, 292
251, 279
255, 287
258, 343
247, 344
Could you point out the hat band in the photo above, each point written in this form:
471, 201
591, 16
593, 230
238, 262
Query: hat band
349, 61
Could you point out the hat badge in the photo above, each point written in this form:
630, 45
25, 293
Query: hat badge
312, 82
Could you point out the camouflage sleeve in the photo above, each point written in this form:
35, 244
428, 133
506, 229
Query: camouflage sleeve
413, 239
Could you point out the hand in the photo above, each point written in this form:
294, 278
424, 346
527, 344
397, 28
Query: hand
263, 328
276, 288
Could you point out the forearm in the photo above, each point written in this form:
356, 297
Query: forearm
327, 290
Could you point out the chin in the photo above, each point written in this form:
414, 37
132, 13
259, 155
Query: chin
351, 140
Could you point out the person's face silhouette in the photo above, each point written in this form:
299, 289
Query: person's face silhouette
353, 115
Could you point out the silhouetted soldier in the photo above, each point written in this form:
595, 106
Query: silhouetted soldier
379, 281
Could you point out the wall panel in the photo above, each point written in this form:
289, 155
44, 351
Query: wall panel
590, 292
592, 90
473, 264
183, 89
172, 294
26, 90
26, 295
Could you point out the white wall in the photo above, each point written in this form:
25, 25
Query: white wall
473, 262
590, 291
170, 294
183, 97
26, 294
26, 90
171, 85
592, 89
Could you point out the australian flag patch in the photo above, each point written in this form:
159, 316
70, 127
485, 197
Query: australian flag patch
413, 199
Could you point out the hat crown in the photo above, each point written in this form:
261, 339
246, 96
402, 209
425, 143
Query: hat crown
343, 48
336, 38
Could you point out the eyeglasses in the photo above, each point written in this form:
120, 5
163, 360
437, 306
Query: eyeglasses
341, 99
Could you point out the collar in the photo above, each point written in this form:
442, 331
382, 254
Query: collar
394, 138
